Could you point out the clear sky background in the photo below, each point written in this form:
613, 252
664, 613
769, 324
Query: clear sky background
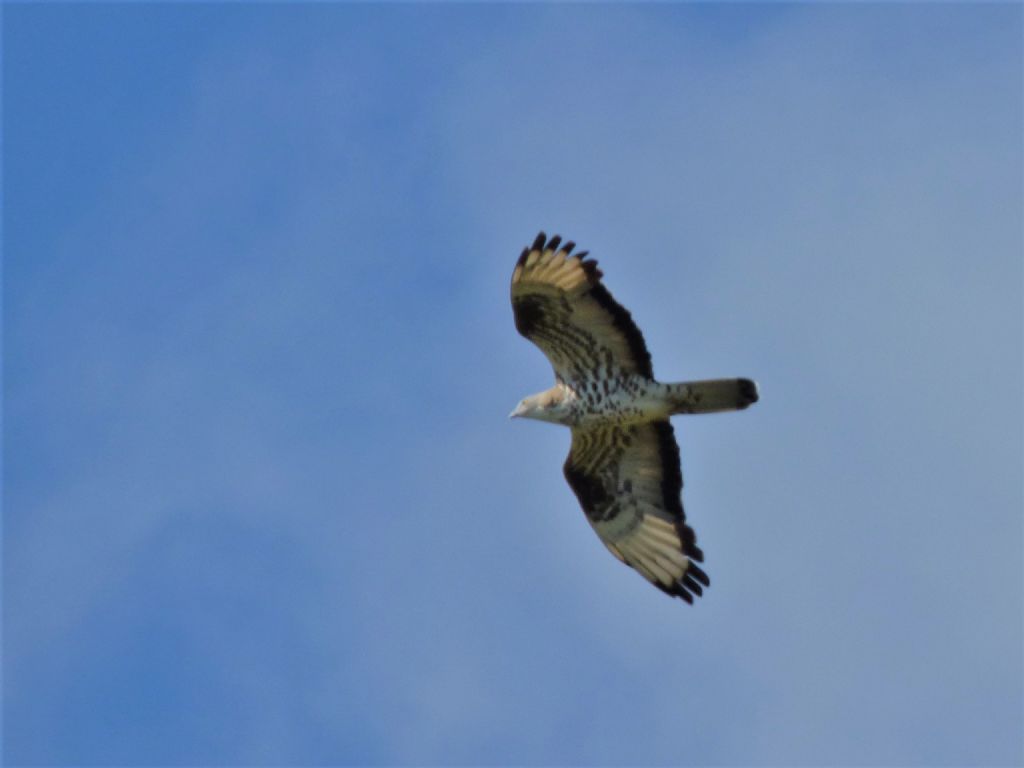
262, 504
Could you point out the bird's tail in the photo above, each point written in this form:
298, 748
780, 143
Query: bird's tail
711, 395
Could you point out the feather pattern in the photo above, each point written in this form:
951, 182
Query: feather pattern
561, 306
624, 462
628, 481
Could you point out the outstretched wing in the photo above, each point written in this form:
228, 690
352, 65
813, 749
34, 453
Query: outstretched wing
562, 307
629, 483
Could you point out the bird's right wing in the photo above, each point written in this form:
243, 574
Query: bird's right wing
561, 306
629, 483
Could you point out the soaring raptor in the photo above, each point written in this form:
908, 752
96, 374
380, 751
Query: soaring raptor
624, 462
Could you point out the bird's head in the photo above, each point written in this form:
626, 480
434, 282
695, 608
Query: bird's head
545, 406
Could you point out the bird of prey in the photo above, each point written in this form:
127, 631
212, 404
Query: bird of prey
623, 465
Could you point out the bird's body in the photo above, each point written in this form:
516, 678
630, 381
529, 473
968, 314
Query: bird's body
624, 398
624, 462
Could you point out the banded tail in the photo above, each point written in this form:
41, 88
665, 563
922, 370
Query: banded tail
712, 396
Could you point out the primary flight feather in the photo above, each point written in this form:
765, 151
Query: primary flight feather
623, 465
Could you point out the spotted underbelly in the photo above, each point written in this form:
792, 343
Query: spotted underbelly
617, 400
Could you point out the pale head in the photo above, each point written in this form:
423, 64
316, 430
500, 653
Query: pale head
549, 405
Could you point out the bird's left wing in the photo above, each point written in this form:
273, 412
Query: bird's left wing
629, 483
561, 305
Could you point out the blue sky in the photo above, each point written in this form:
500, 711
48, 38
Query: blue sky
262, 504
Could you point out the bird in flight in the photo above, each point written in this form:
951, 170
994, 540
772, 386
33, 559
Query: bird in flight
623, 465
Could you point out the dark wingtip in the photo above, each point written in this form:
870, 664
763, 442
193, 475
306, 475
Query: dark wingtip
679, 592
748, 392
590, 268
538, 245
690, 584
553, 243
695, 571
567, 248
